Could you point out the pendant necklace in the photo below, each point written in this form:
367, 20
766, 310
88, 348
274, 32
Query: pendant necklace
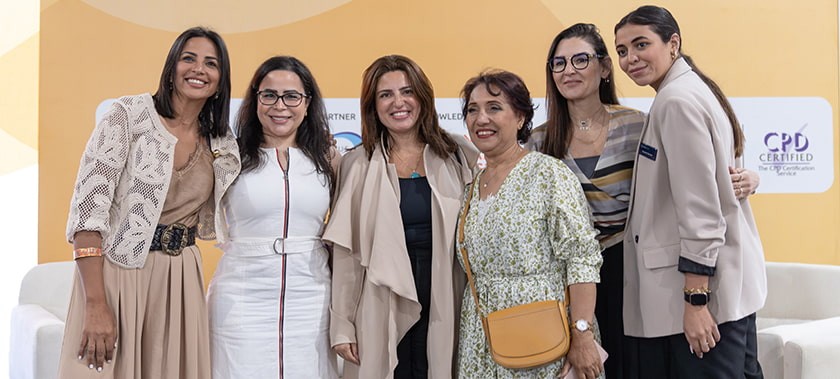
586, 124
414, 174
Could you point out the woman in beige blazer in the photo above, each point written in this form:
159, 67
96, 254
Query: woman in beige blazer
693, 264
396, 288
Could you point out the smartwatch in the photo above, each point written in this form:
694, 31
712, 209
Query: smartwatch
697, 298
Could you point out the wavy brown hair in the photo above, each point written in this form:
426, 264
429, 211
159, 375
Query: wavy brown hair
428, 127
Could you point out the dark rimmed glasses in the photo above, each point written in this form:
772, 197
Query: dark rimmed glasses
289, 99
580, 61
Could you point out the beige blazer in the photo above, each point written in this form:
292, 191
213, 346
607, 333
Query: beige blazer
374, 301
683, 205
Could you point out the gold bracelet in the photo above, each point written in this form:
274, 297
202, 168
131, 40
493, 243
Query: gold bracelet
691, 291
83, 252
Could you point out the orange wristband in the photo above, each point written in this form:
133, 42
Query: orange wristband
83, 252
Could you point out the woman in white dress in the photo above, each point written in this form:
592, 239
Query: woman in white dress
269, 298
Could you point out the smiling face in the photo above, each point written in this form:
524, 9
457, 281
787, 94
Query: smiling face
579, 84
643, 55
396, 105
197, 70
279, 121
492, 121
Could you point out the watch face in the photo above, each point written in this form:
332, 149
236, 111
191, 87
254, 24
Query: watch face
581, 325
698, 299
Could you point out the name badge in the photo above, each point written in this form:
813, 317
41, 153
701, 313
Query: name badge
647, 151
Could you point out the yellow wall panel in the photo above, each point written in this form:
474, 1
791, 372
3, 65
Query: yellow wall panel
94, 50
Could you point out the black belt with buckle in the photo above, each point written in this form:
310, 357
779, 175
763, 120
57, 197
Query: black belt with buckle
173, 238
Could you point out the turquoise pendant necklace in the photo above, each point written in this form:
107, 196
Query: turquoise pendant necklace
414, 174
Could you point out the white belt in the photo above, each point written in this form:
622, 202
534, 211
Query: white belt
253, 247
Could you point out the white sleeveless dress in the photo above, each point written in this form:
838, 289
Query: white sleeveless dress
269, 298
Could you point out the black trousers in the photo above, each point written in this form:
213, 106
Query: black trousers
608, 311
413, 363
734, 357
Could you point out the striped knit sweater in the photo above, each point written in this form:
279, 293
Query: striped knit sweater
608, 191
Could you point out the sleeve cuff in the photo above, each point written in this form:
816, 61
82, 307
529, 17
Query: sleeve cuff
688, 266
341, 330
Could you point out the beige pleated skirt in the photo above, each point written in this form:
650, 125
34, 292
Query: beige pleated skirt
162, 318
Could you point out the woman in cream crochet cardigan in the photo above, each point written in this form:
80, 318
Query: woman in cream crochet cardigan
151, 176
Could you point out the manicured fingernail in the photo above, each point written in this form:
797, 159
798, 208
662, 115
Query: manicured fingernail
108, 361
99, 369
80, 357
90, 366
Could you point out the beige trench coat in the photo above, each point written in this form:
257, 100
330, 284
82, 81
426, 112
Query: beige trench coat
374, 302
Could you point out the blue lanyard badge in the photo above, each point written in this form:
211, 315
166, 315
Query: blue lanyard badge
647, 151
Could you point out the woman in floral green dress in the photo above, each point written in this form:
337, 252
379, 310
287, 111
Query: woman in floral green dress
527, 232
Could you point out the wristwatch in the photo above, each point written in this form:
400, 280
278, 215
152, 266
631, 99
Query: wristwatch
582, 325
697, 298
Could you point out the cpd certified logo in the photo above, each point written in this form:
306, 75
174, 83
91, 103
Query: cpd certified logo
346, 140
787, 153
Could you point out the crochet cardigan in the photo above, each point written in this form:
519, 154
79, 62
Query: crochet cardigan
124, 176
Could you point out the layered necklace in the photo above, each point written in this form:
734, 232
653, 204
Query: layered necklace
584, 124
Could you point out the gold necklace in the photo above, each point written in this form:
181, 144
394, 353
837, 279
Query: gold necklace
414, 174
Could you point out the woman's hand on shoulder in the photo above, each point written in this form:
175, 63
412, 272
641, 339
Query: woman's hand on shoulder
348, 351
744, 182
583, 356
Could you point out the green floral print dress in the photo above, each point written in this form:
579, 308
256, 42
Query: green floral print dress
526, 243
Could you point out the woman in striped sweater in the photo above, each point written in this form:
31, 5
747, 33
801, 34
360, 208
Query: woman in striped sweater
597, 138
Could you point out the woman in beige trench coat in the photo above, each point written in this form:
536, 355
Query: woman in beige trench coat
383, 323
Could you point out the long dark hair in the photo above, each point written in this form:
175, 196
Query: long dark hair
498, 82
428, 128
558, 126
313, 135
213, 118
664, 25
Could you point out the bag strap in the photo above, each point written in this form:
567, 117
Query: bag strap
465, 256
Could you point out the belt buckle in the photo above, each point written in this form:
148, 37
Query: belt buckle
281, 243
168, 235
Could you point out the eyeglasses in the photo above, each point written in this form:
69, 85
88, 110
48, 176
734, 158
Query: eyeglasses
289, 99
580, 61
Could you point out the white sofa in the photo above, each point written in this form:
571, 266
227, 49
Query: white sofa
37, 321
799, 326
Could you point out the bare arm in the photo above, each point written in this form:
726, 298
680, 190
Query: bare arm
99, 332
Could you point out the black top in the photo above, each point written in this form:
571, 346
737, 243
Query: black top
416, 211
587, 165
